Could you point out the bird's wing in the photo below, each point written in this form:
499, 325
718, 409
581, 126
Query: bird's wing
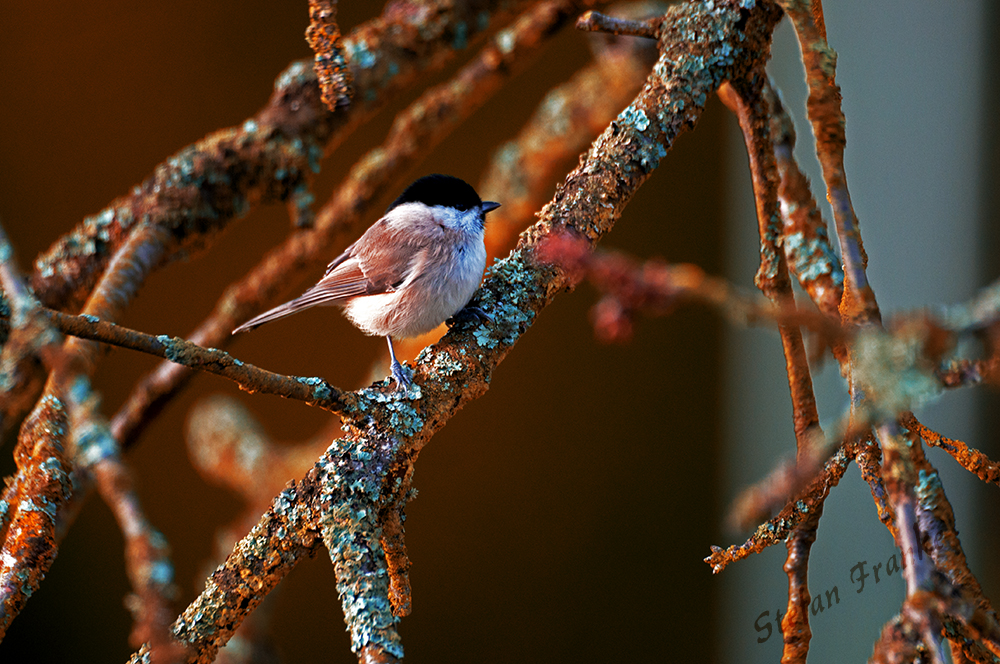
389, 252
384, 262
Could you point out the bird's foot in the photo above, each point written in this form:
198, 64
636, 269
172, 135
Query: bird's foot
399, 375
469, 314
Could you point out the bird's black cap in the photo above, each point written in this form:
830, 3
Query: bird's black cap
439, 190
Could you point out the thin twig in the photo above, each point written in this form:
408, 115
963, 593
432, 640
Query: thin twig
828, 124
745, 99
971, 459
330, 65
593, 21
794, 513
314, 391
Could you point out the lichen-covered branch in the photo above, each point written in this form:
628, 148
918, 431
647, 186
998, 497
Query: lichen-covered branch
315, 391
972, 459
804, 238
745, 99
790, 517
829, 128
68, 414
330, 65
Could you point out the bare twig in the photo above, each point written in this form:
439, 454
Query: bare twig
592, 21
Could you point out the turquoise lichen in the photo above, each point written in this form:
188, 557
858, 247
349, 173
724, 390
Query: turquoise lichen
297, 74
161, 572
44, 506
302, 199
359, 55
321, 389
94, 444
314, 155
505, 41
170, 349
811, 259
893, 370
635, 117
553, 114
928, 489
461, 39
79, 389
351, 533
403, 417
444, 365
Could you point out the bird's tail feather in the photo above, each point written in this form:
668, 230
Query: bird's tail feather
280, 311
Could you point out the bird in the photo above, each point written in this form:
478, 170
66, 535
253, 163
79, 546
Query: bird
413, 269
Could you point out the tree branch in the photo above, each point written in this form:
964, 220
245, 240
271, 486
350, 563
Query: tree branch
314, 391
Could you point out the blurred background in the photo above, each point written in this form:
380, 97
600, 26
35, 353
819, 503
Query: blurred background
564, 516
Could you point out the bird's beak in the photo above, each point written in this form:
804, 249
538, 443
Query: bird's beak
489, 206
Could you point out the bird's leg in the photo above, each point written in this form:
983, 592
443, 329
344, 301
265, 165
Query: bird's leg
398, 373
469, 314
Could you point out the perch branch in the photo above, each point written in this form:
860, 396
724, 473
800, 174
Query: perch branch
791, 516
523, 171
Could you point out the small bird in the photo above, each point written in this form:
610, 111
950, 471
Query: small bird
413, 269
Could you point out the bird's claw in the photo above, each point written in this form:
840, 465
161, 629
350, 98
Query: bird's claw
469, 314
403, 381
